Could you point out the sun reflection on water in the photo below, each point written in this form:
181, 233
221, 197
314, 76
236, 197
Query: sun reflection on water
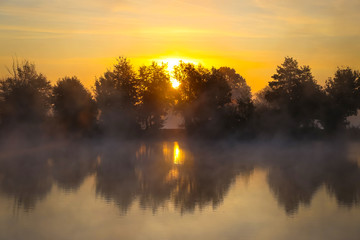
178, 158
173, 153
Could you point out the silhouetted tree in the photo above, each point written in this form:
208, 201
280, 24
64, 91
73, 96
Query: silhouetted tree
266, 117
213, 102
238, 113
238, 85
203, 95
24, 96
116, 93
343, 98
154, 89
295, 95
74, 107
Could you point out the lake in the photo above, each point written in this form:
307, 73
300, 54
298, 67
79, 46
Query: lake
181, 190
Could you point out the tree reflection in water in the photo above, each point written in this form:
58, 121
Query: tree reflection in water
71, 165
156, 173
297, 173
186, 175
27, 179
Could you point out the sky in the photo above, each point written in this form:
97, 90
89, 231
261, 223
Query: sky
84, 37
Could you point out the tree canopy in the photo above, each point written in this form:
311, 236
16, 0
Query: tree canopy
295, 95
24, 96
155, 95
343, 98
116, 94
74, 108
213, 102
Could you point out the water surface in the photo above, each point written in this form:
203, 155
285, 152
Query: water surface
180, 190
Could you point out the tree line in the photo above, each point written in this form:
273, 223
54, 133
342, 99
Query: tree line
213, 102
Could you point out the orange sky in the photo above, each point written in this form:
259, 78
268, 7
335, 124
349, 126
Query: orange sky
83, 37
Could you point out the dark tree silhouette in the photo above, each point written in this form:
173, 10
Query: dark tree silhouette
343, 98
267, 110
213, 102
116, 93
238, 85
237, 114
155, 95
203, 95
24, 96
295, 95
74, 108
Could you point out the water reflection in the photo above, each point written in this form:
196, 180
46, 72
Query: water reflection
28, 175
178, 156
71, 165
27, 179
184, 175
343, 182
296, 175
116, 177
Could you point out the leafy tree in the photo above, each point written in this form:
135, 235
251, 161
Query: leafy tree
343, 98
203, 96
24, 96
266, 116
116, 93
238, 85
74, 107
155, 95
238, 113
295, 95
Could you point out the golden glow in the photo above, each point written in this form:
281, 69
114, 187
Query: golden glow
253, 37
171, 63
173, 154
178, 158
174, 83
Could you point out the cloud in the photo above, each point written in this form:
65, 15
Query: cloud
327, 17
236, 32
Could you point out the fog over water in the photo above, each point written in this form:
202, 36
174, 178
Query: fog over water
160, 189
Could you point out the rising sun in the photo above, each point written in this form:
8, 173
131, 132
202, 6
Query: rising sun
171, 63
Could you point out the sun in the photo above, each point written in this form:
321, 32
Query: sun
171, 63
174, 83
